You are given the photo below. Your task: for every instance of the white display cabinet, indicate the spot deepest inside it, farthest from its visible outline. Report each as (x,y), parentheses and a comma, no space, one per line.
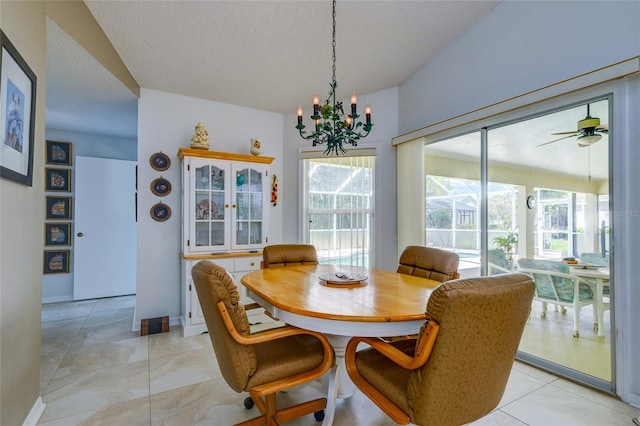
(225,216)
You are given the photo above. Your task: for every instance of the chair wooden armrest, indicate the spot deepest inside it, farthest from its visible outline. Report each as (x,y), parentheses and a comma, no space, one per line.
(387,349)
(274,334)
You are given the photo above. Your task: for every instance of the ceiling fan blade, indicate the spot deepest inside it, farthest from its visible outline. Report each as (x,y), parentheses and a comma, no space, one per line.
(572,132)
(556,140)
(603,128)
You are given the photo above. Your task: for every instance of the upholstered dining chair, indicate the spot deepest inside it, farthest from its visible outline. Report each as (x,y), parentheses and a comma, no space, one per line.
(263,363)
(457,369)
(429,262)
(288,254)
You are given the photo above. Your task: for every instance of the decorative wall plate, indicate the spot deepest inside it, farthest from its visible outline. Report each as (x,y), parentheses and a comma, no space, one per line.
(160,212)
(160,161)
(160,187)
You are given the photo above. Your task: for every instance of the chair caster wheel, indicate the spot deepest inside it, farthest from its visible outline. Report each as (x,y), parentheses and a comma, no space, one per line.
(576,334)
(248,403)
(319,415)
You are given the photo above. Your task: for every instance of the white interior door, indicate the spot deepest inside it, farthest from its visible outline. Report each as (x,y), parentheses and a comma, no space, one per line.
(105,228)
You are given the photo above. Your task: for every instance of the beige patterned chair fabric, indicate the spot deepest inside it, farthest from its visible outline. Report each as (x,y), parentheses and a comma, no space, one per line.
(480,321)
(428,262)
(289,254)
(272,360)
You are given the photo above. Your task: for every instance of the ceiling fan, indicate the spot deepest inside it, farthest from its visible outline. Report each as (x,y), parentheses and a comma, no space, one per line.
(589,131)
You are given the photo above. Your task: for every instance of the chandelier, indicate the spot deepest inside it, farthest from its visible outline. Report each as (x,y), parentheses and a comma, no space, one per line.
(332,125)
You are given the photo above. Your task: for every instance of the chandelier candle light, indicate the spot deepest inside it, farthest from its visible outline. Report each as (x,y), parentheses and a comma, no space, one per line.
(332,125)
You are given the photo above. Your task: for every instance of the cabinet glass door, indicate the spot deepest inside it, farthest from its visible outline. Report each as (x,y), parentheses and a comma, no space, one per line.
(209,207)
(249,204)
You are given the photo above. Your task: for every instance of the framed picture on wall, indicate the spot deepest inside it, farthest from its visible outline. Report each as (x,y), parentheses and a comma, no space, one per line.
(17,121)
(57,179)
(57,234)
(56,262)
(58,207)
(58,153)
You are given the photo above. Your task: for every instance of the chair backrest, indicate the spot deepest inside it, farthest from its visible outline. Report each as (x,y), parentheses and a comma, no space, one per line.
(558,277)
(481,322)
(595,259)
(289,254)
(498,259)
(213,284)
(428,262)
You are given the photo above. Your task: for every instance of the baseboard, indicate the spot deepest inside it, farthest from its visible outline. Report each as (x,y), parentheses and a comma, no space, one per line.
(57,299)
(35,413)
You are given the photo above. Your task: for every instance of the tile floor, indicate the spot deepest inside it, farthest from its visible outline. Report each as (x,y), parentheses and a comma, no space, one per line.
(96,371)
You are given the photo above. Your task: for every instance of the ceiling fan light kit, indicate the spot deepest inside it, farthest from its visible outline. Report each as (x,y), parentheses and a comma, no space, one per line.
(589,131)
(587,140)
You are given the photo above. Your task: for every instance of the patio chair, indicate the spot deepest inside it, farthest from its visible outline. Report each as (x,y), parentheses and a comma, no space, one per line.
(457,369)
(555,284)
(428,262)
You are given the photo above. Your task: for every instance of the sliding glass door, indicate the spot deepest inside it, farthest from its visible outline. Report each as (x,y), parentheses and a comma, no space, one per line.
(532,195)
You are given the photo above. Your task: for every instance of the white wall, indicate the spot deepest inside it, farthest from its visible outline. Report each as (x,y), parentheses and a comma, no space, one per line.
(384,106)
(166,123)
(524,46)
(518,47)
(59,287)
(21,215)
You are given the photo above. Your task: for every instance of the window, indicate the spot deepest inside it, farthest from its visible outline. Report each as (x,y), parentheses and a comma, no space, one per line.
(339,208)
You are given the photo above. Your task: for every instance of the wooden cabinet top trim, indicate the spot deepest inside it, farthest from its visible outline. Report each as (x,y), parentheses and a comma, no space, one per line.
(203,153)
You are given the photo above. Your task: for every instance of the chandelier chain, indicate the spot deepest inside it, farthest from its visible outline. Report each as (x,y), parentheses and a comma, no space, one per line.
(334,44)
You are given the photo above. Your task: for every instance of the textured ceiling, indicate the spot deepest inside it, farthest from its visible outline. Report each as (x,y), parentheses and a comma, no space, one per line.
(273,55)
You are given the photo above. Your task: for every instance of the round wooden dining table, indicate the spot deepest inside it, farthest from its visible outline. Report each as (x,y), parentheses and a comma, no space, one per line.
(342,302)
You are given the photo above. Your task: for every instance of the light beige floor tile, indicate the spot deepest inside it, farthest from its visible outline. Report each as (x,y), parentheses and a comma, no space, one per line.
(49,363)
(129,413)
(597,397)
(534,372)
(497,418)
(172,343)
(211,403)
(58,341)
(187,368)
(67,310)
(49,328)
(90,391)
(104,355)
(109,318)
(551,405)
(117,330)
(519,385)
(114,303)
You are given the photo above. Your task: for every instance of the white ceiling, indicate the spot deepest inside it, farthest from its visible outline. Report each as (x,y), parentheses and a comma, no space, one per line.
(273,56)
(269,55)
